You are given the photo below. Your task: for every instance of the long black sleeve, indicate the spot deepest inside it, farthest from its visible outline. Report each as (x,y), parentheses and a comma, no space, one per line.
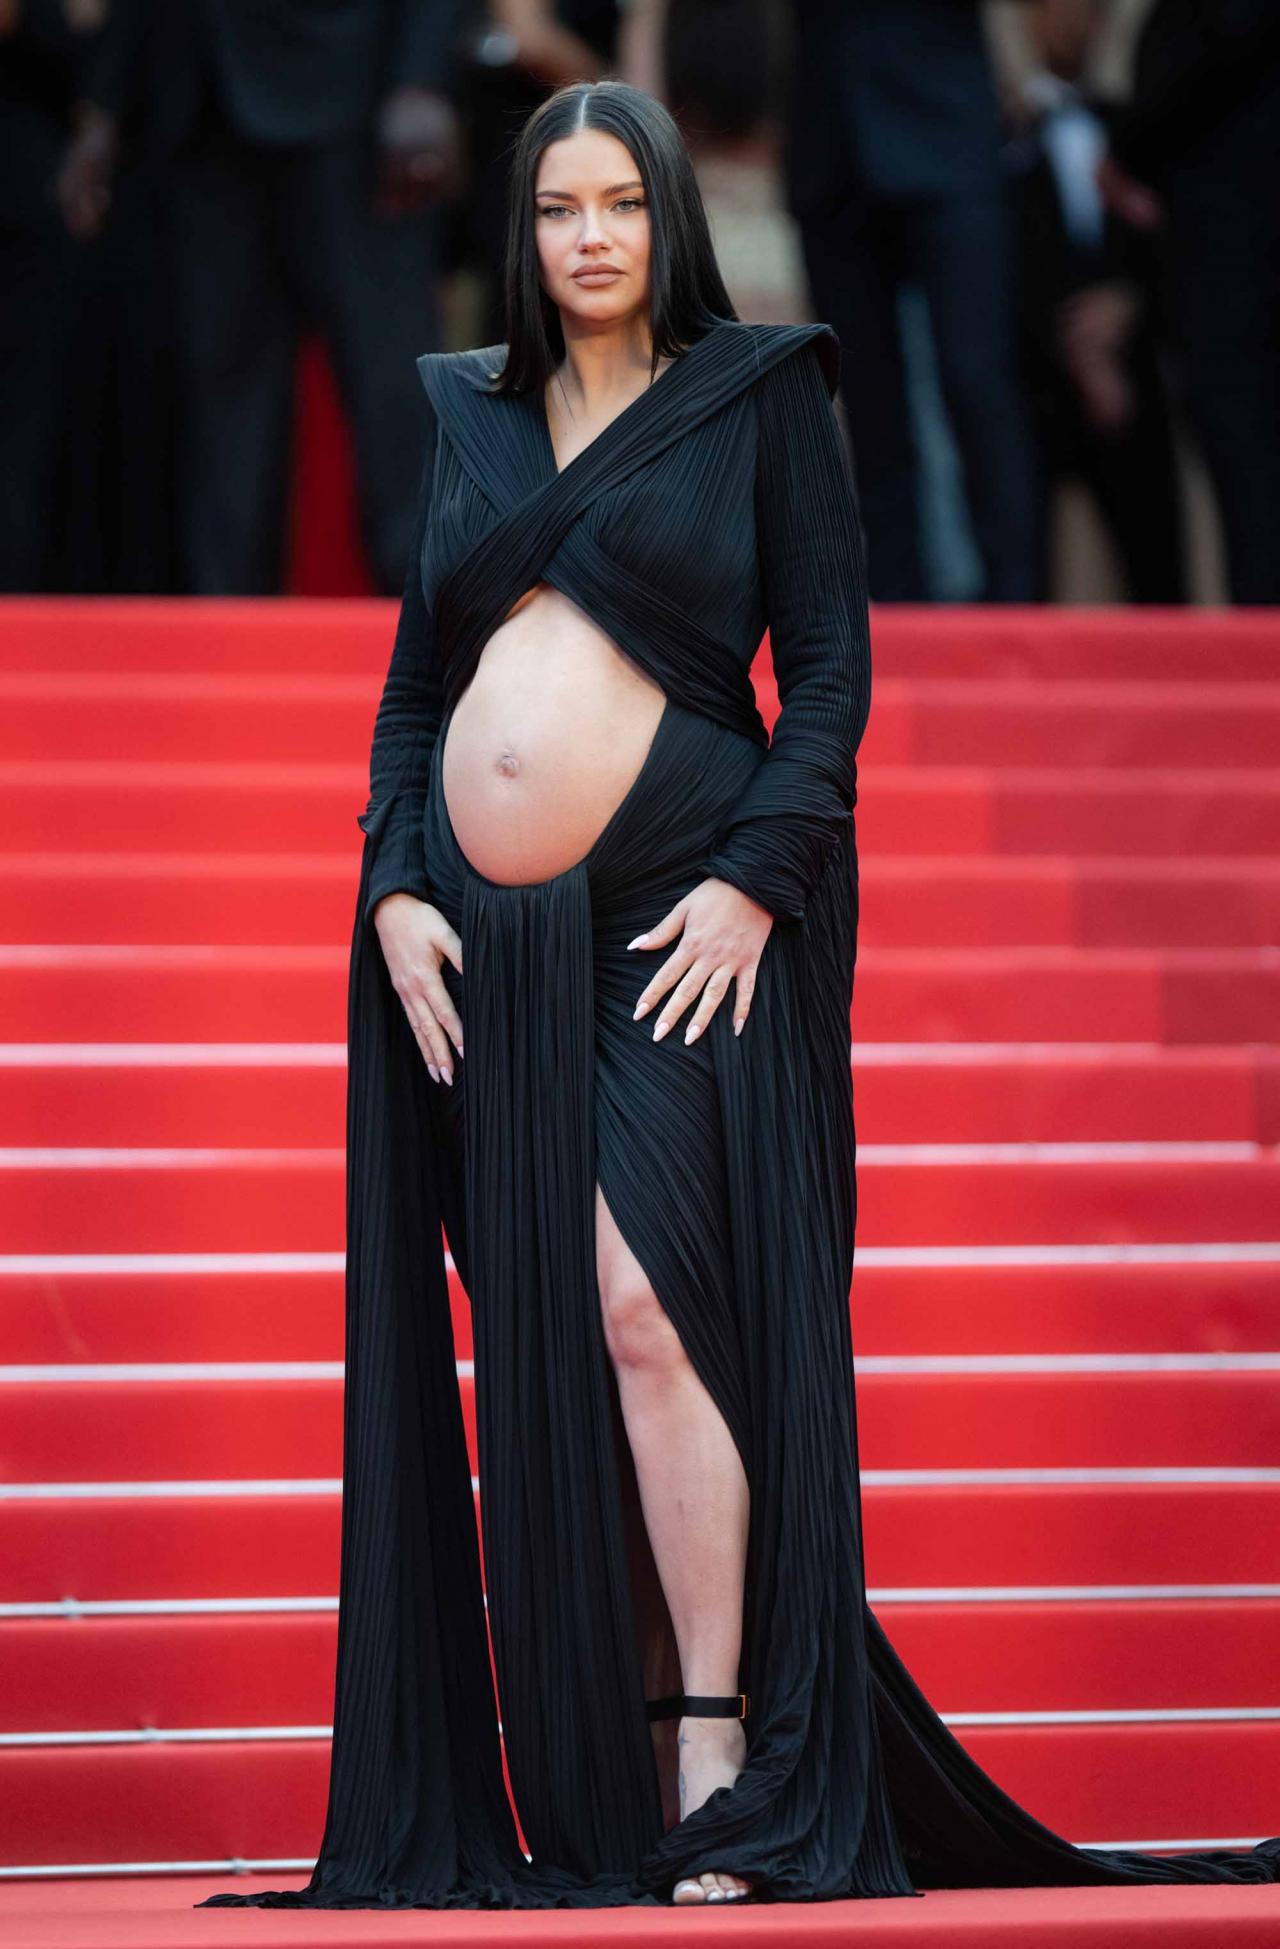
(780,833)
(405,730)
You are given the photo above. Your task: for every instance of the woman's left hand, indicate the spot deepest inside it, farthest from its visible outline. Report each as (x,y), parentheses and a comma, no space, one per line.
(722,936)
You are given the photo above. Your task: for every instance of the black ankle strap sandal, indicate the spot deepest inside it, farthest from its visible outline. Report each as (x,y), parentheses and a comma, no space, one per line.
(700,1705)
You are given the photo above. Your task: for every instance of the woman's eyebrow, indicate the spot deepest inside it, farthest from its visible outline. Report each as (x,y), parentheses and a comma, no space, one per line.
(611,191)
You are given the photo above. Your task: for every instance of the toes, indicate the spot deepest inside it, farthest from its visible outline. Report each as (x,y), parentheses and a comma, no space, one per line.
(710,1887)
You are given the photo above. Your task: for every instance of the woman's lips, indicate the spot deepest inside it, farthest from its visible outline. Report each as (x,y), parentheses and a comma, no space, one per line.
(595,277)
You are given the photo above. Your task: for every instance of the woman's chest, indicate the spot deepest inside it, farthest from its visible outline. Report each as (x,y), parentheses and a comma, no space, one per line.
(680,522)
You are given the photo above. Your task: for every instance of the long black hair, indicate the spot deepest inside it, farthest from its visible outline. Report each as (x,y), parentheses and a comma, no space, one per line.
(687,292)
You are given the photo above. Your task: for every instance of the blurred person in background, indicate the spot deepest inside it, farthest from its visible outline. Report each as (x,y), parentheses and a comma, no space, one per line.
(309,151)
(515,53)
(1092,329)
(894,173)
(1195,157)
(41,55)
(84,434)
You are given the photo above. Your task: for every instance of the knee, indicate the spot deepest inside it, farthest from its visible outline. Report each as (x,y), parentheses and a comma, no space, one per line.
(638,1333)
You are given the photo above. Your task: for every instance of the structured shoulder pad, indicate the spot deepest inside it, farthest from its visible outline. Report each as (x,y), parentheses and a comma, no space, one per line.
(777,342)
(444,372)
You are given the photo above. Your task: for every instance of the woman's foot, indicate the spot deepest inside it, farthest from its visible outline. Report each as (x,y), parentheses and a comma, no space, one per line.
(712,1753)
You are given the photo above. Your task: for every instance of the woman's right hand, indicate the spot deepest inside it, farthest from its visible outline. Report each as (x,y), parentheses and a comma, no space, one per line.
(416,939)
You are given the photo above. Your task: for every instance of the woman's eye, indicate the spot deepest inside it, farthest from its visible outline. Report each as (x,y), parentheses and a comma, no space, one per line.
(557,209)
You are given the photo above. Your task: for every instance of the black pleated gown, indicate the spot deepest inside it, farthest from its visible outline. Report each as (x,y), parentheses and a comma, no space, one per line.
(718,502)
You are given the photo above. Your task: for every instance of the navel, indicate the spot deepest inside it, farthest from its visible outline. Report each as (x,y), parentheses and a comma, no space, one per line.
(507,764)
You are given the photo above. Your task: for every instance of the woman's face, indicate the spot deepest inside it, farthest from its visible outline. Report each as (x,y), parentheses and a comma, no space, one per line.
(591,215)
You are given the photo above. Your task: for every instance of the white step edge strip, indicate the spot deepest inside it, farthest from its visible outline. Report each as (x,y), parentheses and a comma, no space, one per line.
(255,1486)
(963,1054)
(167,1055)
(168,1157)
(1181,1715)
(1118,1252)
(1018,1477)
(234,1055)
(228,1865)
(159,1372)
(26,1264)
(1098,1151)
(1141,1252)
(1065,1593)
(291,1864)
(78,1608)
(196,1157)
(873,1478)
(101,1373)
(259,1735)
(333,956)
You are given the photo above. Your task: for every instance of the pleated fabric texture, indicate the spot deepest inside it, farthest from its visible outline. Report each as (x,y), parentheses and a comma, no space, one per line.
(728,1165)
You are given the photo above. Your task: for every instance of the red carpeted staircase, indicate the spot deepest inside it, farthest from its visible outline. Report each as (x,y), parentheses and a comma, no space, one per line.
(1066,1307)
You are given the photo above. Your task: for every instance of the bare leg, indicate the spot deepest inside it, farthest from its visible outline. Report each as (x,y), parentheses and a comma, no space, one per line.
(696,1503)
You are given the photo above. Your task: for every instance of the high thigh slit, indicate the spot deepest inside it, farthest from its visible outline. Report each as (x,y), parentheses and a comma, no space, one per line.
(729,1167)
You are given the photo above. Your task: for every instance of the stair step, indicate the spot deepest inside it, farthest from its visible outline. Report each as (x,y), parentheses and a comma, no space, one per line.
(1092,812)
(107,636)
(1074,723)
(67,1431)
(144,1542)
(285,1095)
(195,1799)
(1037,994)
(69,805)
(1012,641)
(328,718)
(105,1674)
(1093,1300)
(308,898)
(172,1200)
(1104,646)
(298,994)
(100,805)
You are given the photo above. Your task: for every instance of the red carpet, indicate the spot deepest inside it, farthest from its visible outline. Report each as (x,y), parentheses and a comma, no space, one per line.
(1067,1081)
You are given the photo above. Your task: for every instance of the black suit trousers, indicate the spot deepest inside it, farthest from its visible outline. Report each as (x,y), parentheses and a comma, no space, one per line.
(959,249)
(269,242)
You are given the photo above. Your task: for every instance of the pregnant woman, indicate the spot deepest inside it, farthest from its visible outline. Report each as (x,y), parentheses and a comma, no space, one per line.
(599,1028)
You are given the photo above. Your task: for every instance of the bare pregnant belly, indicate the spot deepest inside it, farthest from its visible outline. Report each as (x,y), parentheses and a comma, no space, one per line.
(545,741)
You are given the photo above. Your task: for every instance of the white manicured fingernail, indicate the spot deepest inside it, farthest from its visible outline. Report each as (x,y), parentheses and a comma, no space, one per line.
(660,1031)
(739,1026)
(448,1076)
(434,1071)
(639,941)
(694,1029)
(642,1008)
